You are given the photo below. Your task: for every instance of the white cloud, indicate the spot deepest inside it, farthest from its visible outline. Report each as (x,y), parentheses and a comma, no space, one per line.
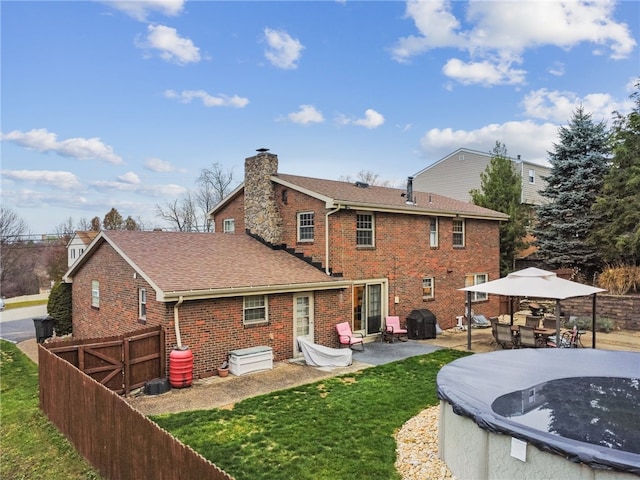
(306,115)
(122,185)
(172,47)
(80,148)
(559,106)
(57,179)
(372,119)
(186,96)
(485,73)
(157,165)
(141,9)
(284,51)
(525,138)
(557,69)
(129,177)
(501,31)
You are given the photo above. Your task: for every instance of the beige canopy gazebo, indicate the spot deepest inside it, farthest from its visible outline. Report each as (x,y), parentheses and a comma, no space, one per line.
(536,283)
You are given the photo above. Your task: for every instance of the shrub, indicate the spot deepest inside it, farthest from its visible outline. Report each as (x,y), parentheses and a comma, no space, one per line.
(602,324)
(59,307)
(620,280)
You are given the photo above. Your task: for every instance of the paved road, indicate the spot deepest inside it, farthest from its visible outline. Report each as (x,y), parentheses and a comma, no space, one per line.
(16,324)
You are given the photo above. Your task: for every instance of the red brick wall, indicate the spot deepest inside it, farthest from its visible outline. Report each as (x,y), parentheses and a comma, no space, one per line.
(235,210)
(401,253)
(118,312)
(210,328)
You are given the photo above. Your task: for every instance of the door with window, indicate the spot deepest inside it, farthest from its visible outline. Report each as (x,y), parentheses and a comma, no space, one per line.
(367,308)
(302,319)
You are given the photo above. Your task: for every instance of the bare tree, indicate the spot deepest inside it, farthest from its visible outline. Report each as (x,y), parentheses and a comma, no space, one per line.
(190,213)
(14,254)
(211,187)
(180,213)
(368,177)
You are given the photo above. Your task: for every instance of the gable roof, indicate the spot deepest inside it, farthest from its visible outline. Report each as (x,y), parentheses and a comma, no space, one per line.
(84,236)
(462,150)
(381,199)
(208,265)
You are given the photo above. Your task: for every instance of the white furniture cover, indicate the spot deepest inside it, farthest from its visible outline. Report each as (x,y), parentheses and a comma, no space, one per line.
(320,356)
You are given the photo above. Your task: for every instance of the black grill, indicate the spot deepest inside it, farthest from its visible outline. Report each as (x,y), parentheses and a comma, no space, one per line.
(421,324)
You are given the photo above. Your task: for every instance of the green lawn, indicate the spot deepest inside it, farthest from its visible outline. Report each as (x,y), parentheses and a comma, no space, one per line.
(31,446)
(26,303)
(339,428)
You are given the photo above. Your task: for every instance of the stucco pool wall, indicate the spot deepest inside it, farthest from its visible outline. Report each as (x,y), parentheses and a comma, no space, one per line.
(476,442)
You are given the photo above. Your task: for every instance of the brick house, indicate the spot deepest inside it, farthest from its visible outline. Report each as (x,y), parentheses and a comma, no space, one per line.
(223,291)
(401,249)
(293,257)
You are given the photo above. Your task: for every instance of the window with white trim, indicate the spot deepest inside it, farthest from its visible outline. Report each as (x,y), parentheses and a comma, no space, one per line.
(433,232)
(428,291)
(95,293)
(476,279)
(255,309)
(364,230)
(142,303)
(305,226)
(229,225)
(532,176)
(458,232)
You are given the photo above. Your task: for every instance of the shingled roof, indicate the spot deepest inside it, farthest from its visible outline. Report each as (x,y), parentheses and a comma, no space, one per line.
(207,265)
(383,199)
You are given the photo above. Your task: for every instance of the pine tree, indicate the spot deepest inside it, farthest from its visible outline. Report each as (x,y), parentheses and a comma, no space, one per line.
(617,210)
(579,163)
(501,190)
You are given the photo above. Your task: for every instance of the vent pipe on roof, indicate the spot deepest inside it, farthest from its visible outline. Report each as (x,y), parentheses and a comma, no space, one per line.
(410,200)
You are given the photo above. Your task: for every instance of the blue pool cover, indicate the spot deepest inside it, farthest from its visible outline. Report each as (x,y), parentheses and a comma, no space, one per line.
(582,404)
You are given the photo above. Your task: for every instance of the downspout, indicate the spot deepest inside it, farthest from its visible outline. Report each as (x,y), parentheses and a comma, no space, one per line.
(326,239)
(176,323)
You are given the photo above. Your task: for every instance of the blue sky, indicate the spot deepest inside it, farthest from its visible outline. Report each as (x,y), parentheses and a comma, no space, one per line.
(121,104)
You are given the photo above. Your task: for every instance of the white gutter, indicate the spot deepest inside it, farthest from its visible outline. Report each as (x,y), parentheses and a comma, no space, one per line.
(176,323)
(326,239)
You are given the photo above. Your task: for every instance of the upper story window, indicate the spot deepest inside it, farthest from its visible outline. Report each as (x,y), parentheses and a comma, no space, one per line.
(95,293)
(255,309)
(142,303)
(428,292)
(73,253)
(229,225)
(476,279)
(532,176)
(305,226)
(458,232)
(433,232)
(364,230)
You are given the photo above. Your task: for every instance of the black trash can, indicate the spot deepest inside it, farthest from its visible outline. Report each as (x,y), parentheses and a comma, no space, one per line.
(421,324)
(44,327)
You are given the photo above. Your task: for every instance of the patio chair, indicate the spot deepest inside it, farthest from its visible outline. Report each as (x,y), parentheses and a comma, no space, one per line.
(532,321)
(494,321)
(392,329)
(348,338)
(504,338)
(528,338)
(549,322)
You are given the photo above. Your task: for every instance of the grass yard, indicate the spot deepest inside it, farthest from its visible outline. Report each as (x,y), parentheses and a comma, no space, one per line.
(339,428)
(26,303)
(32,448)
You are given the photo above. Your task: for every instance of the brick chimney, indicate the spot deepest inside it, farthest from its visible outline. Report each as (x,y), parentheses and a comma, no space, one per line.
(261,215)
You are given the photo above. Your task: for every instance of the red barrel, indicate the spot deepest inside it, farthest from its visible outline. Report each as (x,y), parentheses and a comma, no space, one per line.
(180,367)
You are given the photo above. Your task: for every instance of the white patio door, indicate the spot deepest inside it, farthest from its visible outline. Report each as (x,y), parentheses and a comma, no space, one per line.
(302,319)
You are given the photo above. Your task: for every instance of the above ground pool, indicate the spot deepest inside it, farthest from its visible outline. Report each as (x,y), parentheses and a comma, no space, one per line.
(541,413)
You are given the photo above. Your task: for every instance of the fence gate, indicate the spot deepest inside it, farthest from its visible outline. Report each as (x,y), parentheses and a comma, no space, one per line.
(119,363)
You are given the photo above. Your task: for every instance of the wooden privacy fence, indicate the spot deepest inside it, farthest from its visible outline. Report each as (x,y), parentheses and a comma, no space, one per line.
(120,442)
(120,363)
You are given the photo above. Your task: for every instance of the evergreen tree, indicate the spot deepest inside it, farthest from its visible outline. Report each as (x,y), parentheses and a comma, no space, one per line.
(113,220)
(617,210)
(579,163)
(501,190)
